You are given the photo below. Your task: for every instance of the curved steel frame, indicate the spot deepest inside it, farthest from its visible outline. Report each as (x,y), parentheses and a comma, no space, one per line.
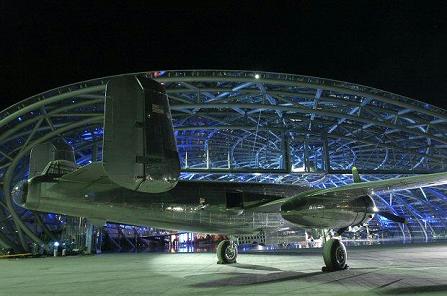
(252,126)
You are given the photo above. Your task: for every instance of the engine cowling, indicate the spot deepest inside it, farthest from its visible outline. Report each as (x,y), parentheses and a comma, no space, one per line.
(321,212)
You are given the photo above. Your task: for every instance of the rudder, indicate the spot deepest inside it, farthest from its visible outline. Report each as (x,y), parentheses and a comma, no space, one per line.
(139,149)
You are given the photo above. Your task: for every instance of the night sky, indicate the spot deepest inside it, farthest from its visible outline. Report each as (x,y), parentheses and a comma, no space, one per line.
(398,46)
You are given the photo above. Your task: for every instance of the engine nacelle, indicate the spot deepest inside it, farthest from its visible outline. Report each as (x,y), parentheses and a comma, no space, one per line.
(321,212)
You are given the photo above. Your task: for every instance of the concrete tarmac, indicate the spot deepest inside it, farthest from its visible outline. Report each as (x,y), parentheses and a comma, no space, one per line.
(390,270)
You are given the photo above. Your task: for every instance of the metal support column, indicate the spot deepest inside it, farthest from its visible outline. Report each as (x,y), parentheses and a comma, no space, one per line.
(286,163)
(306,155)
(95,152)
(89,241)
(327,164)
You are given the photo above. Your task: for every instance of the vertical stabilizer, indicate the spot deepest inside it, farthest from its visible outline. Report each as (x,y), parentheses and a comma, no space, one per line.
(139,149)
(44,153)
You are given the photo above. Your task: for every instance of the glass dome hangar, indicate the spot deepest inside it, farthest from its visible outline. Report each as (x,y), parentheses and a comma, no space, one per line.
(247,126)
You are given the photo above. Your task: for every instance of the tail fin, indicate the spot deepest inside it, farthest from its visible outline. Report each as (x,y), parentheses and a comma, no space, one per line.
(139,149)
(356,175)
(51,152)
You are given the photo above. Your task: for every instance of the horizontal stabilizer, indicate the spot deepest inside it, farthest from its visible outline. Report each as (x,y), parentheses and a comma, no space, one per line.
(91,177)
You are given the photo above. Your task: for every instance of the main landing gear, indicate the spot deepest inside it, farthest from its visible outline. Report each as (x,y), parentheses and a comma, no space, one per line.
(226,252)
(334,255)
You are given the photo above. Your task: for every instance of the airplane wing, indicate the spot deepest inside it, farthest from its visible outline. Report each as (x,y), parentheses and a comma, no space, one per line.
(383,186)
(355,190)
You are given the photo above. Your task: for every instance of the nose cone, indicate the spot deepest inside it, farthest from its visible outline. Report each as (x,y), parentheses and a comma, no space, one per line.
(19,193)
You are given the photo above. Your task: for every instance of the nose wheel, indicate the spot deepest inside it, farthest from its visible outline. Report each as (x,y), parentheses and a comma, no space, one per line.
(334,255)
(226,252)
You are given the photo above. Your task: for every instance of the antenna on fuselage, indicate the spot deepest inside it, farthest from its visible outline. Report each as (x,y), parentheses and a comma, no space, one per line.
(356,175)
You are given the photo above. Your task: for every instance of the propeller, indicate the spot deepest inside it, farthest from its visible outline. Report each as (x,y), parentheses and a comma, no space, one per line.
(392,217)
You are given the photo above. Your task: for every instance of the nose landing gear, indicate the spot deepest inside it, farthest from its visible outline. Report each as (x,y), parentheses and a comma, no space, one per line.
(226,252)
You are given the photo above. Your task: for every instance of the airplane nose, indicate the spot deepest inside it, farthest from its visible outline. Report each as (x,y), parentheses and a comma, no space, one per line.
(19,193)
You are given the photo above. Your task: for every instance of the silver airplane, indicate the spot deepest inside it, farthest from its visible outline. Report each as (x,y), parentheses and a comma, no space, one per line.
(138,183)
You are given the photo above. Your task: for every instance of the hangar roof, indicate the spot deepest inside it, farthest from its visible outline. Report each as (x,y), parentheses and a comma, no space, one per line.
(255,126)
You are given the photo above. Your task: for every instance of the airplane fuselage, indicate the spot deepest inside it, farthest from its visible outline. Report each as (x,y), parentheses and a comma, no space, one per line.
(215,207)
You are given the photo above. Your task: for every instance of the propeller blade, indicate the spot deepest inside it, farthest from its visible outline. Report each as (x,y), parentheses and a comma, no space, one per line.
(392,217)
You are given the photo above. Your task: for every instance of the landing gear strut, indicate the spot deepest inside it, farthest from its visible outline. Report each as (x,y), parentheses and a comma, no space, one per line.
(226,252)
(334,255)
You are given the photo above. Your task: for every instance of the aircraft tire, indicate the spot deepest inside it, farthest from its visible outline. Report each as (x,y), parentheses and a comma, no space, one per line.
(226,252)
(334,255)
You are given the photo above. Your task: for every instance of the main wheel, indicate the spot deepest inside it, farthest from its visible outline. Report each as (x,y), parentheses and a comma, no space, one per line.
(335,255)
(226,252)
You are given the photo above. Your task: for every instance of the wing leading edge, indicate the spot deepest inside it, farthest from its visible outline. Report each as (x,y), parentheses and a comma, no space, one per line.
(383,186)
(356,190)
